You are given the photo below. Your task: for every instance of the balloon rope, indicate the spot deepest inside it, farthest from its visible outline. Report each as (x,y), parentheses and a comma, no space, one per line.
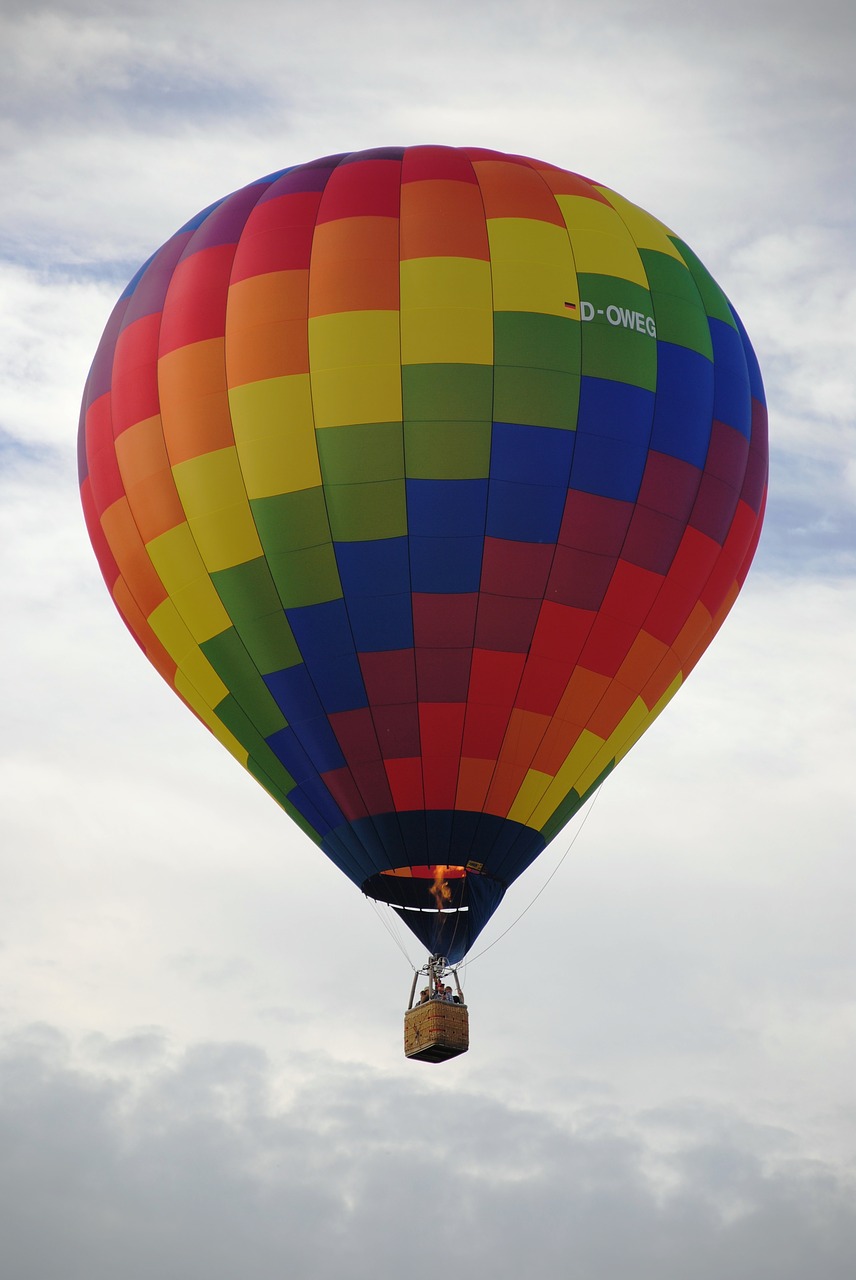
(385,921)
(571,844)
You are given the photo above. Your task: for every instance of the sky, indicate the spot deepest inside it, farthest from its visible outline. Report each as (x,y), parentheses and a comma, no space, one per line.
(201,1068)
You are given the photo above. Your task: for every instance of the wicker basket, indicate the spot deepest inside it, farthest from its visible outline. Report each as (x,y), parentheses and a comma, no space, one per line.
(436,1030)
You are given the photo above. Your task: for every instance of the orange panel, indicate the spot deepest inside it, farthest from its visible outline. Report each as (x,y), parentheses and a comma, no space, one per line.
(556,746)
(142,632)
(507,781)
(646,654)
(515,191)
(132,557)
(354,266)
(691,632)
(665,674)
(442,218)
(155,505)
(473,781)
(611,710)
(266,333)
(194,403)
(585,690)
(523,736)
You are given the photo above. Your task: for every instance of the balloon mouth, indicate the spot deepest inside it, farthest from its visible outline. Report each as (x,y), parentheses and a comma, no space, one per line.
(426,888)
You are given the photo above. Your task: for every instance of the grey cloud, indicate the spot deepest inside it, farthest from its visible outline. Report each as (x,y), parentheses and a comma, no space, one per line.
(196,1169)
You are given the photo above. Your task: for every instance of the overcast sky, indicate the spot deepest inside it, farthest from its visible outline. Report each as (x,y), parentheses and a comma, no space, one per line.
(201,1072)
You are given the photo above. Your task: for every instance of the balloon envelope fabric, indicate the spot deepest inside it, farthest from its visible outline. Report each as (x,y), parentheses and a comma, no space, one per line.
(424,476)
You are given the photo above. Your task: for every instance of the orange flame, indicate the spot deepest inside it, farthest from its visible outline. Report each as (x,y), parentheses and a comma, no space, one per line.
(440,890)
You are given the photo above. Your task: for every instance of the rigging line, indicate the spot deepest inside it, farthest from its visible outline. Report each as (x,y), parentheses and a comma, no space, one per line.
(392,933)
(571,844)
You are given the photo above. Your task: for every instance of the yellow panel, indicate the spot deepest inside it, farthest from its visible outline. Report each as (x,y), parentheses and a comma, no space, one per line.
(167,625)
(443,282)
(646,231)
(353,338)
(447,336)
(634,722)
(650,718)
(532,267)
(179,566)
(587,746)
(370,393)
(209,482)
(275,435)
(226,537)
(582,214)
(598,253)
(193,698)
(532,789)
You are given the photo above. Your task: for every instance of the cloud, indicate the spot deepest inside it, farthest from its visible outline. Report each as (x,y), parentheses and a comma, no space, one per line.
(202,1164)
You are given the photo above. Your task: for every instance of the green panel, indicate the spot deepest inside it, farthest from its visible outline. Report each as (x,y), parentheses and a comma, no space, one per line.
(359,512)
(308,576)
(678,308)
(270,642)
(447,450)
(536,397)
(617,350)
(280,795)
(291,521)
(239,674)
(715,301)
(447,392)
(571,803)
(247,590)
(536,341)
(238,723)
(349,455)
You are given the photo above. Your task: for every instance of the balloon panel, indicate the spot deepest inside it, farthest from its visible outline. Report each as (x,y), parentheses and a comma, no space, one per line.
(424,476)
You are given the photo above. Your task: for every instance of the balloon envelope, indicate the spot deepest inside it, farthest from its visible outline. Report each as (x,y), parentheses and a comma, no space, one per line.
(424,476)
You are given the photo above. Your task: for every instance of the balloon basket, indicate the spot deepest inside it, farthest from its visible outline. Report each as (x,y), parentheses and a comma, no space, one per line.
(436,1030)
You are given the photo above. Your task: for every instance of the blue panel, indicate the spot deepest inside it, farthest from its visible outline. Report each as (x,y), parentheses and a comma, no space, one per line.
(374,568)
(525,512)
(531,455)
(609,468)
(683,408)
(446,508)
(321,630)
(315,751)
(616,409)
(731,392)
(323,822)
(339,681)
(381,622)
(445,565)
(756,385)
(294,693)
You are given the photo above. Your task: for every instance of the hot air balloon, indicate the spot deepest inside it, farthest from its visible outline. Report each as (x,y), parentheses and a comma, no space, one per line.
(424,476)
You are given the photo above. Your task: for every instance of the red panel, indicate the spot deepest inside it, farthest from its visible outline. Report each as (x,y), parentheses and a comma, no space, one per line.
(100,545)
(516,568)
(355,732)
(561,631)
(543,683)
(104,476)
(631,593)
(506,623)
(397,728)
(484,731)
(420,163)
(608,645)
(444,621)
(365,187)
(373,784)
(670,610)
(277,235)
(195,305)
(694,560)
(389,676)
(441,727)
(494,677)
(733,553)
(135,374)
(579,578)
(342,787)
(405,783)
(443,675)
